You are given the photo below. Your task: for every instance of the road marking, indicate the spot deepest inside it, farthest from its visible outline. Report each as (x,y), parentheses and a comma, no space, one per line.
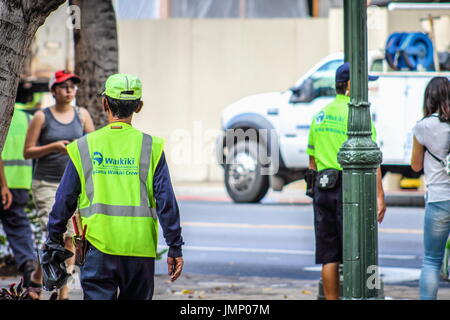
(244,225)
(290,200)
(281,226)
(247,250)
(277,251)
(398,256)
(397,230)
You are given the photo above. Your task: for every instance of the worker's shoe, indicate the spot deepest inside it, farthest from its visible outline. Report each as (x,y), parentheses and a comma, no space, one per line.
(27,269)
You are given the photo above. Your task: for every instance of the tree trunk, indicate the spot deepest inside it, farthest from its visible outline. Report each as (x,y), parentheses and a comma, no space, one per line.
(96,53)
(19,21)
(27,63)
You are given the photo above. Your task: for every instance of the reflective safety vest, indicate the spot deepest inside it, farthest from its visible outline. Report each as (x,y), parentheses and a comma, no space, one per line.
(18,171)
(116,165)
(37,99)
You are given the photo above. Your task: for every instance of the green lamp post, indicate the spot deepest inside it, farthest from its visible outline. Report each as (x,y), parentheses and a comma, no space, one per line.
(359,158)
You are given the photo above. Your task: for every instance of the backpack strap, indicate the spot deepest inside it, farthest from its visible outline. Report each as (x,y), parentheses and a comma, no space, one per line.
(438,159)
(78,111)
(426,149)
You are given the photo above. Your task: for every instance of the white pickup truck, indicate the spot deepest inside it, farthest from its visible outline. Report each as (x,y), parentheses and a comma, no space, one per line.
(396,104)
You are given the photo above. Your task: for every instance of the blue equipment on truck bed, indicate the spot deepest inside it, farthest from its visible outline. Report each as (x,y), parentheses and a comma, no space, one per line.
(410,51)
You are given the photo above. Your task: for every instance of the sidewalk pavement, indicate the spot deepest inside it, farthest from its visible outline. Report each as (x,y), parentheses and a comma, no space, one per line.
(217,287)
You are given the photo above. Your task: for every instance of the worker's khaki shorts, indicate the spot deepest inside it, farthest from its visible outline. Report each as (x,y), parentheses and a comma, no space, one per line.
(44,197)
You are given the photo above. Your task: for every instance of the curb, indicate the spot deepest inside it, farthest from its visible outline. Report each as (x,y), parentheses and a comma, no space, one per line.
(405,200)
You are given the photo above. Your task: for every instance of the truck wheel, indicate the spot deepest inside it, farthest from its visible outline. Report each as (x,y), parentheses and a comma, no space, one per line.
(243,178)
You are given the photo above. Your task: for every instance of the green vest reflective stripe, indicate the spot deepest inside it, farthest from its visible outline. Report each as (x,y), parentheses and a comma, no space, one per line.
(18,171)
(119,211)
(27,163)
(116,169)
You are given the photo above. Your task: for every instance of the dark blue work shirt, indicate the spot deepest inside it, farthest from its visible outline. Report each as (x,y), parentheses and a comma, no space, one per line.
(69,189)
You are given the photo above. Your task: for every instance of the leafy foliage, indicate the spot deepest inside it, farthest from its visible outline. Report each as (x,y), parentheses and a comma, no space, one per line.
(13,293)
(2,239)
(20,293)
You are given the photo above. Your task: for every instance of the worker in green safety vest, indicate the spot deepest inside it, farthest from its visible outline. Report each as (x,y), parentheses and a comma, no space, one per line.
(118,177)
(32,106)
(327,133)
(15,180)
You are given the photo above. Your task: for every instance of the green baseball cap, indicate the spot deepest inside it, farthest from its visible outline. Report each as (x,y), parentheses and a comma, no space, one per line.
(122,86)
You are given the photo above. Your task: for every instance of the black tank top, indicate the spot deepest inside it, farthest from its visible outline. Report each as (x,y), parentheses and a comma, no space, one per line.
(51,167)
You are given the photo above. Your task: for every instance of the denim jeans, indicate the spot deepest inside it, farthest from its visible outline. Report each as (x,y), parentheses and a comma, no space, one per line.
(111,277)
(436,232)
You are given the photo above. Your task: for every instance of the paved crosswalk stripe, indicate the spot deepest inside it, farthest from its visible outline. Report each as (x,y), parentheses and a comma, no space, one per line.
(278,251)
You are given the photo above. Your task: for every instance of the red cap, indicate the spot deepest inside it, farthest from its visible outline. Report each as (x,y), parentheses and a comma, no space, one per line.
(61,76)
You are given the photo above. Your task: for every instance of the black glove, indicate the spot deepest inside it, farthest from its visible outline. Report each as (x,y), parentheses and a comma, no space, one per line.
(56,238)
(52,259)
(54,250)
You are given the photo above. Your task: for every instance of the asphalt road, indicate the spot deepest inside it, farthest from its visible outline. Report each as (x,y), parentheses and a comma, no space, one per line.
(277,240)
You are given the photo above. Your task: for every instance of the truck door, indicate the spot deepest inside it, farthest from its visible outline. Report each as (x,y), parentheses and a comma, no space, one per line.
(388,97)
(414,105)
(307,99)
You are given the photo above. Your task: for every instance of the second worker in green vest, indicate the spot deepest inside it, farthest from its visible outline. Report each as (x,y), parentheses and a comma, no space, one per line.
(120,181)
(15,181)
(327,133)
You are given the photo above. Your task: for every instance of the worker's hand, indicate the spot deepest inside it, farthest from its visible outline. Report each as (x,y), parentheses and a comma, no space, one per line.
(6,197)
(175,266)
(60,146)
(381,206)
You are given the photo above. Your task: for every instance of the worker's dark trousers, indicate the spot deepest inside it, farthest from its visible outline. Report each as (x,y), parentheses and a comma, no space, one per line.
(110,277)
(17,227)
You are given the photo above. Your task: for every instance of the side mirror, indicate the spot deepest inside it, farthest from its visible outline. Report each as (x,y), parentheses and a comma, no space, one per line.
(295,90)
(295,97)
(303,93)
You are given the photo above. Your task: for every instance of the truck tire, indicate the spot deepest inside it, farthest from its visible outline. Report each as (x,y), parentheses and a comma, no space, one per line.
(243,179)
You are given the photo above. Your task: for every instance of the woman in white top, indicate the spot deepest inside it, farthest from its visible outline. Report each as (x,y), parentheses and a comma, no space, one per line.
(430,147)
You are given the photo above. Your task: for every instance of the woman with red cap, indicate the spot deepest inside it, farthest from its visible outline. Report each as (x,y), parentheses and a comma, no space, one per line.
(50,130)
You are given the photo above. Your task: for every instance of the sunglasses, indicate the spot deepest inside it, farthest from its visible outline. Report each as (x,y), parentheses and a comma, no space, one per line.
(67,87)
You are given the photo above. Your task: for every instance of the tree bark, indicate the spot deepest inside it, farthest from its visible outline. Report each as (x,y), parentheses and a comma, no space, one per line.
(27,63)
(96,54)
(19,21)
